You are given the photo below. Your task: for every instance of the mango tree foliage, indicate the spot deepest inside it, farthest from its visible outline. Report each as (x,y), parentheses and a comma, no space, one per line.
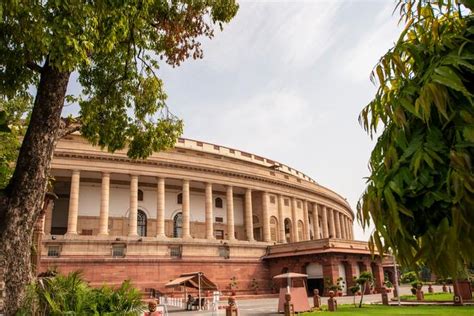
(115,48)
(420,192)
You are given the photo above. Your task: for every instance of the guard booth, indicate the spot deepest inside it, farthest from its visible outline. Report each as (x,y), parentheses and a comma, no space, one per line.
(294,284)
(193,280)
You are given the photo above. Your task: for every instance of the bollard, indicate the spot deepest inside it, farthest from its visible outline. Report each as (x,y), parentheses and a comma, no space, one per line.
(231,309)
(384,295)
(332,302)
(316,299)
(419,293)
(289,307)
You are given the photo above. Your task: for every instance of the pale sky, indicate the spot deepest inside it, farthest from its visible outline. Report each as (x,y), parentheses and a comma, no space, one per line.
(286,80)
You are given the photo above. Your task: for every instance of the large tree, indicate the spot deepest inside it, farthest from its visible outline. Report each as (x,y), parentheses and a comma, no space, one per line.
(420,192)
(115,48)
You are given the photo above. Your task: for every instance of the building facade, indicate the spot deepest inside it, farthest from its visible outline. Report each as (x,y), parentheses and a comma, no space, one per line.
(237,217)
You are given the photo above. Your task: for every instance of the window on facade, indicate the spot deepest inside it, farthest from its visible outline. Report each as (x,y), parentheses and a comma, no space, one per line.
(179,198)
(53,251)
(287,229)
(273,229)
(175,251)
(141,223)
(118,250)
(257,234)
(272,199)
(219,234)
(218,202)
(178,225)
(86,232)
(300,230)
(298,204)
(140,195)
(287,202)
(219,219)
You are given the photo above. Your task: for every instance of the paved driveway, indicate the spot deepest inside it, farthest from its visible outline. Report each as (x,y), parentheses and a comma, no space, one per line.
(268,306)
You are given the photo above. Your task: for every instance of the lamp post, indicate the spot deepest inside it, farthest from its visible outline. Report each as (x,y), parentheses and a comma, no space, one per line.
(395,273)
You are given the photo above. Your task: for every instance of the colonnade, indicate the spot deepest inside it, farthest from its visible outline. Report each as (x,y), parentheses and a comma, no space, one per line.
(326,221)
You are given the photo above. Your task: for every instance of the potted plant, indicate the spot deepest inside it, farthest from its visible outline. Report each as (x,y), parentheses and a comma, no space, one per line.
(388,285)
(414,286)
(233,285)
(329,286)
(339,285)
(254,286)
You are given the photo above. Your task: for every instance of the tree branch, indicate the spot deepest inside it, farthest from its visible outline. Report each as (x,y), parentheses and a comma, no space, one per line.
(34,66)
(69,126)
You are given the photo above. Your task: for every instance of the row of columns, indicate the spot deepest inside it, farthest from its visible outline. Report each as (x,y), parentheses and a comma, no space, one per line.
(334,224)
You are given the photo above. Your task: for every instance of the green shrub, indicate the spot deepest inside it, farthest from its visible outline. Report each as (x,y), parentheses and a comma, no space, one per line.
(71,295)
(408,277)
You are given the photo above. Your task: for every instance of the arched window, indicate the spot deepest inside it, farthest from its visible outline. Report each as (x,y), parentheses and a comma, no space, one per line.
(178,225)
(300,230)
(141,223)
(218,202)
(287,229)
(140,195)
(179,198)
(273,228)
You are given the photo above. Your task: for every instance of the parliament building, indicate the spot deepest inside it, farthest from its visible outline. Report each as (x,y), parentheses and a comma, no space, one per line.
(237,217)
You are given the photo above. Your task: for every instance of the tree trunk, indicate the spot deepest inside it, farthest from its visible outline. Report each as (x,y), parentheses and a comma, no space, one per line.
(362,295)
(23,197)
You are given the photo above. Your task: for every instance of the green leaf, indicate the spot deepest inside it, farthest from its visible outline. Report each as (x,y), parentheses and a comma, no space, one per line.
(448,77)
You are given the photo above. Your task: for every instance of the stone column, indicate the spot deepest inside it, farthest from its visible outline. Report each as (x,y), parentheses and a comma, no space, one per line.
(343,226)
(346,225)
(104,205)
(266,218)
(248,215)
(132,214)
(230,213)
(73,203)
(185,210)
(337,223)
(48,218)
(160,208)
(294,219)
(351,229)
(316,221)
(305,221)
(351,272)
(324,217)
(332,226)
(209,215)
(281,219)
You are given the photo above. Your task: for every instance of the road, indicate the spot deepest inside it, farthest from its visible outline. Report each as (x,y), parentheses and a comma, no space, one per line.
(268,306)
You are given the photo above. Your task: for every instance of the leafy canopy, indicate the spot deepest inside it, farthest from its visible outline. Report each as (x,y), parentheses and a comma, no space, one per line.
(114,46)
(14,114)
(420,192)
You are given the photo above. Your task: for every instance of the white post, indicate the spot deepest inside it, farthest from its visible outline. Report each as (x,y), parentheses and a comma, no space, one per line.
(395,274)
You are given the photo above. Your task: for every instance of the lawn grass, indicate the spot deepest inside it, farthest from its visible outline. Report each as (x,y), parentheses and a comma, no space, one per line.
(430,297)
(397,310)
